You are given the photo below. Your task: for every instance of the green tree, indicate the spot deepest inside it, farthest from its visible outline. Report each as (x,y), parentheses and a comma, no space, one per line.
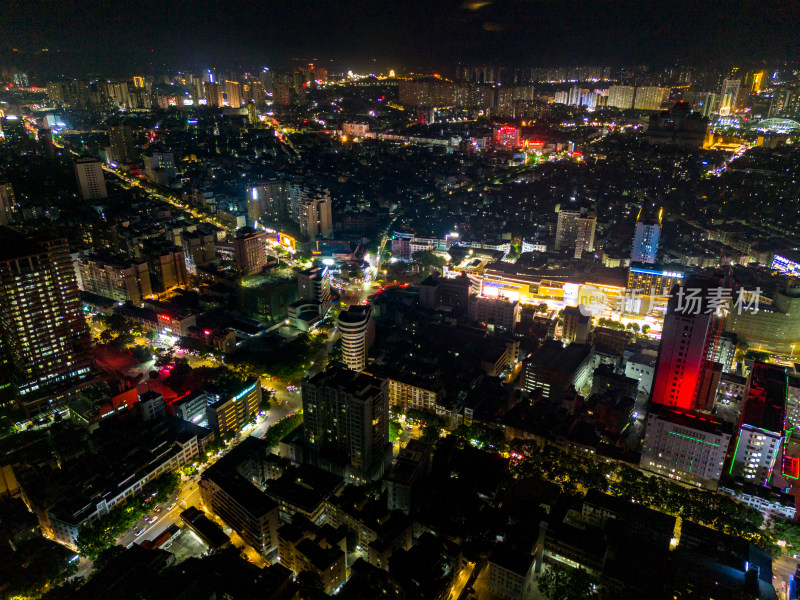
(276,433)
(427,259)
(561,583)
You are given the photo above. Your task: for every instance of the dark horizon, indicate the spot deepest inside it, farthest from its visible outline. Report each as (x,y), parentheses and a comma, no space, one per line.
(370,36)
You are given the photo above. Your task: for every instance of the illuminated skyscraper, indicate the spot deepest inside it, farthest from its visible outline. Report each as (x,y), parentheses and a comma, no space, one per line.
(684,372)
(43,334)
(621,96)
(757,82)
(123,150)
(730,91)
(650,98)
(213,93)
(645,240)
(234,93)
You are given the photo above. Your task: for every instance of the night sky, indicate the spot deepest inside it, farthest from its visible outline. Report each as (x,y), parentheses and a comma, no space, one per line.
(115,38)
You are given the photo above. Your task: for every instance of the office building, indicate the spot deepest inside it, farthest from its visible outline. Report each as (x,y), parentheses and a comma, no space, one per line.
(762,424)
(621,96)
(198,248)
(507,136)
(554,369)
(122,144)
(43,334)
(683,363)
(228,412)
(686,446)
(8,204)
(649,286)
(89,172)
(118,280)
(645,240)
(495,312)
(192,407)
(358,333)
(575,231)
(650,98)
(346,424)
(250,250)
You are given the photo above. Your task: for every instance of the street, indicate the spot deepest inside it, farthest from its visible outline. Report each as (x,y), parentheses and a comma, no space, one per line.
(782,570)
(188,495)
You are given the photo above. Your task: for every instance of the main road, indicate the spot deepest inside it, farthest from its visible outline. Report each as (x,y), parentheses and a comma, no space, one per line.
(188,495)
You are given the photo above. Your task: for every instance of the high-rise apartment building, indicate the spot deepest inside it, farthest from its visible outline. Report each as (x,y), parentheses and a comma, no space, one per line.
(236,500)
(118,280)
(650,98)
(358,333)
(8,204)
(234,93)
(686,337)
(89,172)
(198,248)
(346,424)
(266,199)
(167,264)
(575,230)
(121,140)
(762,425)
(621,96)
(316,220)
(159,167)
(315,284)
(250,250)
(645,240)
(213,94)
(43,335)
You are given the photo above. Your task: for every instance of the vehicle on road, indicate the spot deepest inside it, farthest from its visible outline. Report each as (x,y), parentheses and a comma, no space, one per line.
(141,531)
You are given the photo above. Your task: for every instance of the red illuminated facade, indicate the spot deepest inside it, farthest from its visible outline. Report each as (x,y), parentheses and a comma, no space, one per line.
(507,136)
(684,375)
